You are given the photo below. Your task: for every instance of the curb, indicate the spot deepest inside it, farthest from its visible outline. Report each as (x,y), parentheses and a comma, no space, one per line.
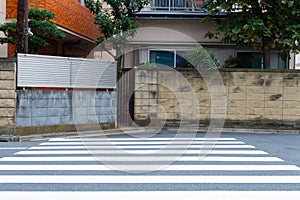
(13,138)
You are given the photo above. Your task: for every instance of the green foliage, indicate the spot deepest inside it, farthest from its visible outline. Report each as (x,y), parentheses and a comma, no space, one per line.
(41,27)
(115,23)
(273,24)
(231,62)
(201,59)
(147,64)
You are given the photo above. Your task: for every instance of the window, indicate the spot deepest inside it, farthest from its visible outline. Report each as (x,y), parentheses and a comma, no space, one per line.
(169,58)
(254,60)
(249,60)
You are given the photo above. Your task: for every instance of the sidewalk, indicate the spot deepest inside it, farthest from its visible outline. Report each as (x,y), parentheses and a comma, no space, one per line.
(11,138)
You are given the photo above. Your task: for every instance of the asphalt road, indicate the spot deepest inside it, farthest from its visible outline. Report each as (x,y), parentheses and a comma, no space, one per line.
(167,166)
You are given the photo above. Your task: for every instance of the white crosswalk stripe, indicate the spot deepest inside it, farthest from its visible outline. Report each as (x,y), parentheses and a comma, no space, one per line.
(209,168)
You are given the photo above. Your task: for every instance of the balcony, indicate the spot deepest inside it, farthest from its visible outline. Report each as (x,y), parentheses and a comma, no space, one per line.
(176,5)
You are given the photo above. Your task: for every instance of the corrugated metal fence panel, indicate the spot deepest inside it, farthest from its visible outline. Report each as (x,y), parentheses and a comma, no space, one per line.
(43,71)
(89,73)
(54,71)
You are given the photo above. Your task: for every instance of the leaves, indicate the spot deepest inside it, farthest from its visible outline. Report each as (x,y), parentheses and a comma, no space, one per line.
(115,23)
(40,26)
(272,24)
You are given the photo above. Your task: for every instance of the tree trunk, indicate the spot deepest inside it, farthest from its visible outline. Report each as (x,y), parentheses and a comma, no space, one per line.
(20,31)
(266,58)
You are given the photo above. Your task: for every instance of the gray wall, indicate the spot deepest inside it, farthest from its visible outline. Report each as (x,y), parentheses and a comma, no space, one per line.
(42,108)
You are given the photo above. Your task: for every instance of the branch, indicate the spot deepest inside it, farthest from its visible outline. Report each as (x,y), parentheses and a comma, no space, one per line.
(111,54)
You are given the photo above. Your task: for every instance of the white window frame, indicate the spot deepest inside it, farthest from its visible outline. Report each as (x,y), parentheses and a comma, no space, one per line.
(174,50)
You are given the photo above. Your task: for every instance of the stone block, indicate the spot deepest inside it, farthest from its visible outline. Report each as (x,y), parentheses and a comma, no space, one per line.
(239,75)
(23,112)
(236,111)
(7,103)
(255,111)
(294,112)
(291,105)
(142,87)
(4,121)
(218,110)
(273,111)
(7,94)
(7,75)
(274,82)
(23,103)
(237,103)
(204,110)
(204,116)
(103,103)
(66,120)
(142,116)
(7,84)
(274,75)
(141,95)
(273,117)
(237,96)
(23,121)
(237,89)
(141,109)
(80,111)
(52,112)
(54,120)
(7,112)
(203,95)
(290,118)
(237,82)
(39,112)
(292,90)
(254,76)
(255,97)
(204,103)
(290,97)
(274,104)
(103,111)
(218,103)
(236,117)
(290,83)
(273,97)
(254,117)
(41,104)
(255,89)
(273,90)
(255,104)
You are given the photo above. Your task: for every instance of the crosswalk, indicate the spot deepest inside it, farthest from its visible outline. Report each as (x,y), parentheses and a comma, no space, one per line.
(122,167)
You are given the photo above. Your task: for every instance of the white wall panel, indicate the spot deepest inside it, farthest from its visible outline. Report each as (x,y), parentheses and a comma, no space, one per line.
(63,72)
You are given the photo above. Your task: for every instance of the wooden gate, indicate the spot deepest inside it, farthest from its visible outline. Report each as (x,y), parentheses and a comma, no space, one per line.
(126,98)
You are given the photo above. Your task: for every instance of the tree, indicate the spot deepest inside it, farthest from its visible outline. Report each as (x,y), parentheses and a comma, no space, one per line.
(40,25)
(115,23)
(19,29)
(260,24)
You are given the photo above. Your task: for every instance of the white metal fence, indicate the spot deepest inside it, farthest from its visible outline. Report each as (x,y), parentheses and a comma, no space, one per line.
(65,72)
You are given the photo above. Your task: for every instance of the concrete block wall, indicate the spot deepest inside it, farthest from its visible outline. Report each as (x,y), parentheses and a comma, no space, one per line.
(258,96)
(7,92)
(44,108)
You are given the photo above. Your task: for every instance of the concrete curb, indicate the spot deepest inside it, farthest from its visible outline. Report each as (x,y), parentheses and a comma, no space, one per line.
(116,131)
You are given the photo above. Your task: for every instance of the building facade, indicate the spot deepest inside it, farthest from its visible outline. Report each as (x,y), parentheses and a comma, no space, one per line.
(72,17)
(169,28)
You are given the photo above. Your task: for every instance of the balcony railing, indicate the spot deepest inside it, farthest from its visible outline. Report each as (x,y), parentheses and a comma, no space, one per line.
(176,5)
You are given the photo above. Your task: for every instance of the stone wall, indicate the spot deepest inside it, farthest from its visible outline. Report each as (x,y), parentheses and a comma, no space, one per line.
(251,96)
(55,107)
(41,111)
(7,92)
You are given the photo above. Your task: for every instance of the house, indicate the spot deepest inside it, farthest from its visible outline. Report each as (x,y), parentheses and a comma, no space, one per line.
(72,17)
(169,28)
